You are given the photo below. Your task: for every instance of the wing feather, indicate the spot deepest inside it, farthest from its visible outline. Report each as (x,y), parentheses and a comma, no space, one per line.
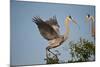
(45,29)
(53,22)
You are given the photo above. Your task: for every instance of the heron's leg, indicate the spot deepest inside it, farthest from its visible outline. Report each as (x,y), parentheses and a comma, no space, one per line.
(46,53)
(54,55)
(48,49)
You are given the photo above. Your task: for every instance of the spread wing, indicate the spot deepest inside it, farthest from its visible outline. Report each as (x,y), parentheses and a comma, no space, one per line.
(45,29)
(53,22)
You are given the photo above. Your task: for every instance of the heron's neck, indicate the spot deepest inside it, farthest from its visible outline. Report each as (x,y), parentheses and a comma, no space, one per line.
(67,29)
(92,26)
(92,18)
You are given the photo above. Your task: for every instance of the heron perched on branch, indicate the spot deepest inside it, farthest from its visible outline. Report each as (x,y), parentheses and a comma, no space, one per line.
(49,29)
(92,20)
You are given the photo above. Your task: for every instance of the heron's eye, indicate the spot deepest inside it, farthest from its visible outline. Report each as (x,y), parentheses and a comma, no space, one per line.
(70,17)
(88,15)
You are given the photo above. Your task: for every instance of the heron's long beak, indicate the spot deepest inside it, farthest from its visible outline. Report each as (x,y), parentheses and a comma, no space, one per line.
(74,21)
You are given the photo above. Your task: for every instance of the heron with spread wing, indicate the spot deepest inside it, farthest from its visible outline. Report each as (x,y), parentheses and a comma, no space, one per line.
(49,29)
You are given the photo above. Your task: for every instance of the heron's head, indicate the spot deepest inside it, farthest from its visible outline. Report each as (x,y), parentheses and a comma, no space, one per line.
(69,18)
(88,17)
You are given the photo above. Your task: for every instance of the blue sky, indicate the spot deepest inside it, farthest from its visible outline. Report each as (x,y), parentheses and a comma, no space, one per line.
(27,45)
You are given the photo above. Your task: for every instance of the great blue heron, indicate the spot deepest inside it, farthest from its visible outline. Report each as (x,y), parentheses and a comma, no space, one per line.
(92,20)
(49,29)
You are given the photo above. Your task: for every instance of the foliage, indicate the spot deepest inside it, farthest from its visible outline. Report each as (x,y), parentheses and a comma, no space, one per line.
(82,51)
(52,61)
